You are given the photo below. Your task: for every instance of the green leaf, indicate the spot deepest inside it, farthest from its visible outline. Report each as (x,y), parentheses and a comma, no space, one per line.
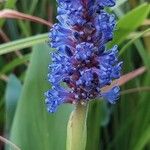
(23,43)
(33,6)
(104,113)
(143,140)
(98,116)
(93,125)
(14,63)
(130,22)
(2,112)
(9,4)
(13,90)
(33,127)
(139,46)
(136,37)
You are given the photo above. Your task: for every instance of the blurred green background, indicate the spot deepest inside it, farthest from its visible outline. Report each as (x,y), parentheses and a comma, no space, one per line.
(24,58)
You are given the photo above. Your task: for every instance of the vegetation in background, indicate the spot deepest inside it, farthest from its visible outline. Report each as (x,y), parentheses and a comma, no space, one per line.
(24,57)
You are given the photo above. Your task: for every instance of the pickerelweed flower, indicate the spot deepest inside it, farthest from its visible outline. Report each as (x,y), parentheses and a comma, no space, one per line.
(81,65)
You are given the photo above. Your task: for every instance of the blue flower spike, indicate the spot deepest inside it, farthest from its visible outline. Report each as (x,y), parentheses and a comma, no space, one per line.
(82,65)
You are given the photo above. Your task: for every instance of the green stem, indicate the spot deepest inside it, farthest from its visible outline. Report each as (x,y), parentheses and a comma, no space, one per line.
(77,129)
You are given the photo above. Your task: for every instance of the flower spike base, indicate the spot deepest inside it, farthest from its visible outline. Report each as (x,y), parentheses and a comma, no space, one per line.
(77,129)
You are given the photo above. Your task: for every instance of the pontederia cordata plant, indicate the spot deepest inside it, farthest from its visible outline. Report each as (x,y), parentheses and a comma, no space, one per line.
(81,65)
(82,72)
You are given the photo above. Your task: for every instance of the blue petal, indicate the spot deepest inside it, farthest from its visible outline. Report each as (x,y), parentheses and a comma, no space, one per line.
(112,96)
(104,3)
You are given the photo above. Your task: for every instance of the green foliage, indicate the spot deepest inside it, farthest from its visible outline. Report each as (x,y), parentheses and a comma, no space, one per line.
(125,125)
(9,4)
(13,90)
(33,127)
(13,64)
(130,22)
(24,43)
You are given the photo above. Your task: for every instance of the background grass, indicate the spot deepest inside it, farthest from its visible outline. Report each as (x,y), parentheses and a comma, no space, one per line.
(23,69)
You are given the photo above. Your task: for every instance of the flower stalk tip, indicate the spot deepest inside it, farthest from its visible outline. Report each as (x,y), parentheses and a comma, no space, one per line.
(77,129)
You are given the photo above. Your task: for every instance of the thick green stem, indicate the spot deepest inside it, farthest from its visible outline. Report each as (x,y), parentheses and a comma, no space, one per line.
(77,129)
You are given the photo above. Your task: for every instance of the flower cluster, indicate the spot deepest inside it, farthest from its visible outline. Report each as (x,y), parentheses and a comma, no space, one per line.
(81,65)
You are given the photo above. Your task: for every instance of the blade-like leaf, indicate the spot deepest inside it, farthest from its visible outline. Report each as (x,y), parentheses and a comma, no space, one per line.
(143,140)
(8,4)
(15,63)
(130,22)
(23,43)
(33,128)
(13,90)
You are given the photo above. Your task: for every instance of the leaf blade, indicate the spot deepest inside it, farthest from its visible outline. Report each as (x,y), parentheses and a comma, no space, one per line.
(43,130)
(130,22)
